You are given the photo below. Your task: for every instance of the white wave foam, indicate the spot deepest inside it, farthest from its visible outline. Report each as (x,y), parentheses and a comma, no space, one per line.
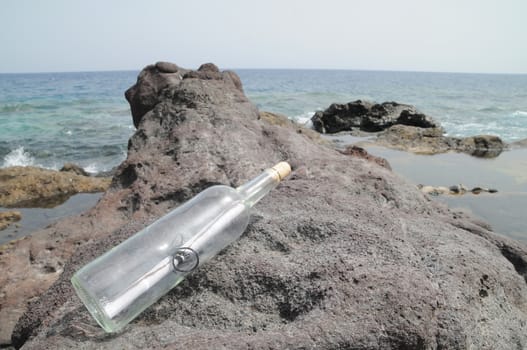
(304,119)
(92,168)
(520,114)
(18,157)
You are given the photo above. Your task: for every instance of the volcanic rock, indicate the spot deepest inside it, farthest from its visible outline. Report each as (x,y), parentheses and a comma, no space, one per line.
(432,141)
(343,255)
(369,117)
(33,187)
(360,152)
(9,217)
(485,146)
(454,190)
(74,168)
(151,82)
(401,127)
(167,67)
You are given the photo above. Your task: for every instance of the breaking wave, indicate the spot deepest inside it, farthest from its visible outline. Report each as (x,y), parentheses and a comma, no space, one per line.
(18,157)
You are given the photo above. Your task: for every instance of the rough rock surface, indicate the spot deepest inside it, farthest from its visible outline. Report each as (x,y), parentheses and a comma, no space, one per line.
(356,151)
(36,187)
(343,255)
(74,168)
(283,121)
(432,141)
(455,190)
(401,126)
(9,217)
(370,117)
(143,97)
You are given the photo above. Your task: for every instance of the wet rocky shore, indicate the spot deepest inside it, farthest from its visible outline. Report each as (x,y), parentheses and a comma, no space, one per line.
(343,254)
(403,127)
(33,187)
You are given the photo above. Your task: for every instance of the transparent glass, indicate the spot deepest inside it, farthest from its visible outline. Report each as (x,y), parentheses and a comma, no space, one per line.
(119,285)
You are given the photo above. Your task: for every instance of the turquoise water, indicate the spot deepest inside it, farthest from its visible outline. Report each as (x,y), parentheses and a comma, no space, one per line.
(52,118)
(465,104)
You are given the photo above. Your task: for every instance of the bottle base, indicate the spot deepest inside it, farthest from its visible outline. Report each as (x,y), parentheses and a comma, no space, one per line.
(92,305)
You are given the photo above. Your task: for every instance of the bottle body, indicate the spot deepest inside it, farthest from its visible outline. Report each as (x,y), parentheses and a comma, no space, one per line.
(119,285)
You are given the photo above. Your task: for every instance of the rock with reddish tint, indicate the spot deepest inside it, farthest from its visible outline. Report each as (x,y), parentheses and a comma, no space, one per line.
(356,151)
(344,254)
(151,82)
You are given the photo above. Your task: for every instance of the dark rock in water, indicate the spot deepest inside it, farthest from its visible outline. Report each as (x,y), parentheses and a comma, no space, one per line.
(342,255)
(414,139)
(369,117)
(453,190)
(484,146)
(9,217)
(402,127)
(74,168)
(432,141)
(412,118)
(458,189)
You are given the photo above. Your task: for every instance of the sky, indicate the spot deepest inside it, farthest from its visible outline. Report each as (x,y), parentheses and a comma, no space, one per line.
(484,36)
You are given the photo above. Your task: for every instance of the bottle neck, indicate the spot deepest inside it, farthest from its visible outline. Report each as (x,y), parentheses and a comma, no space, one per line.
(257,188)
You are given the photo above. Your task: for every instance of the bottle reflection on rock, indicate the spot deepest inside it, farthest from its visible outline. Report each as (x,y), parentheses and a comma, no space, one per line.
(123,282)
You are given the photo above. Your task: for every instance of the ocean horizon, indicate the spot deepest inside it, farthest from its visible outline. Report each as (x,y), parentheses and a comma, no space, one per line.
(273,68)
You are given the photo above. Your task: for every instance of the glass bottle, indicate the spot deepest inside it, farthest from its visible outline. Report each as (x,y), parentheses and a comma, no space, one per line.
(117,286)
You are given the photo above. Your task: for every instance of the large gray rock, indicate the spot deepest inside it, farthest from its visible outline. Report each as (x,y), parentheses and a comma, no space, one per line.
(343,255)
(151,82)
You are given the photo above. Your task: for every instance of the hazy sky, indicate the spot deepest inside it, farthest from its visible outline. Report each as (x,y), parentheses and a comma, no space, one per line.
(422,35)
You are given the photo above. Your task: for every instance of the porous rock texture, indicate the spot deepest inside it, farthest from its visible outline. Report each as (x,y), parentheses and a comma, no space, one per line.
(432,141)
(9,217)
(344,254)
(401,126)
(367,116)
(33,187)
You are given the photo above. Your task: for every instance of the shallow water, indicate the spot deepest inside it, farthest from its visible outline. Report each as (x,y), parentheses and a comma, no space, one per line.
(38,218)
(505,211)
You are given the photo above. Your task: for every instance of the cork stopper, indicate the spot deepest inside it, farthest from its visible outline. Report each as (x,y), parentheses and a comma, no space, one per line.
(281,170)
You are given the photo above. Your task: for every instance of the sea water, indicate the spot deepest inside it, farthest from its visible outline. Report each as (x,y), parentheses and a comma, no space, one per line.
(464,104)
(51,118)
